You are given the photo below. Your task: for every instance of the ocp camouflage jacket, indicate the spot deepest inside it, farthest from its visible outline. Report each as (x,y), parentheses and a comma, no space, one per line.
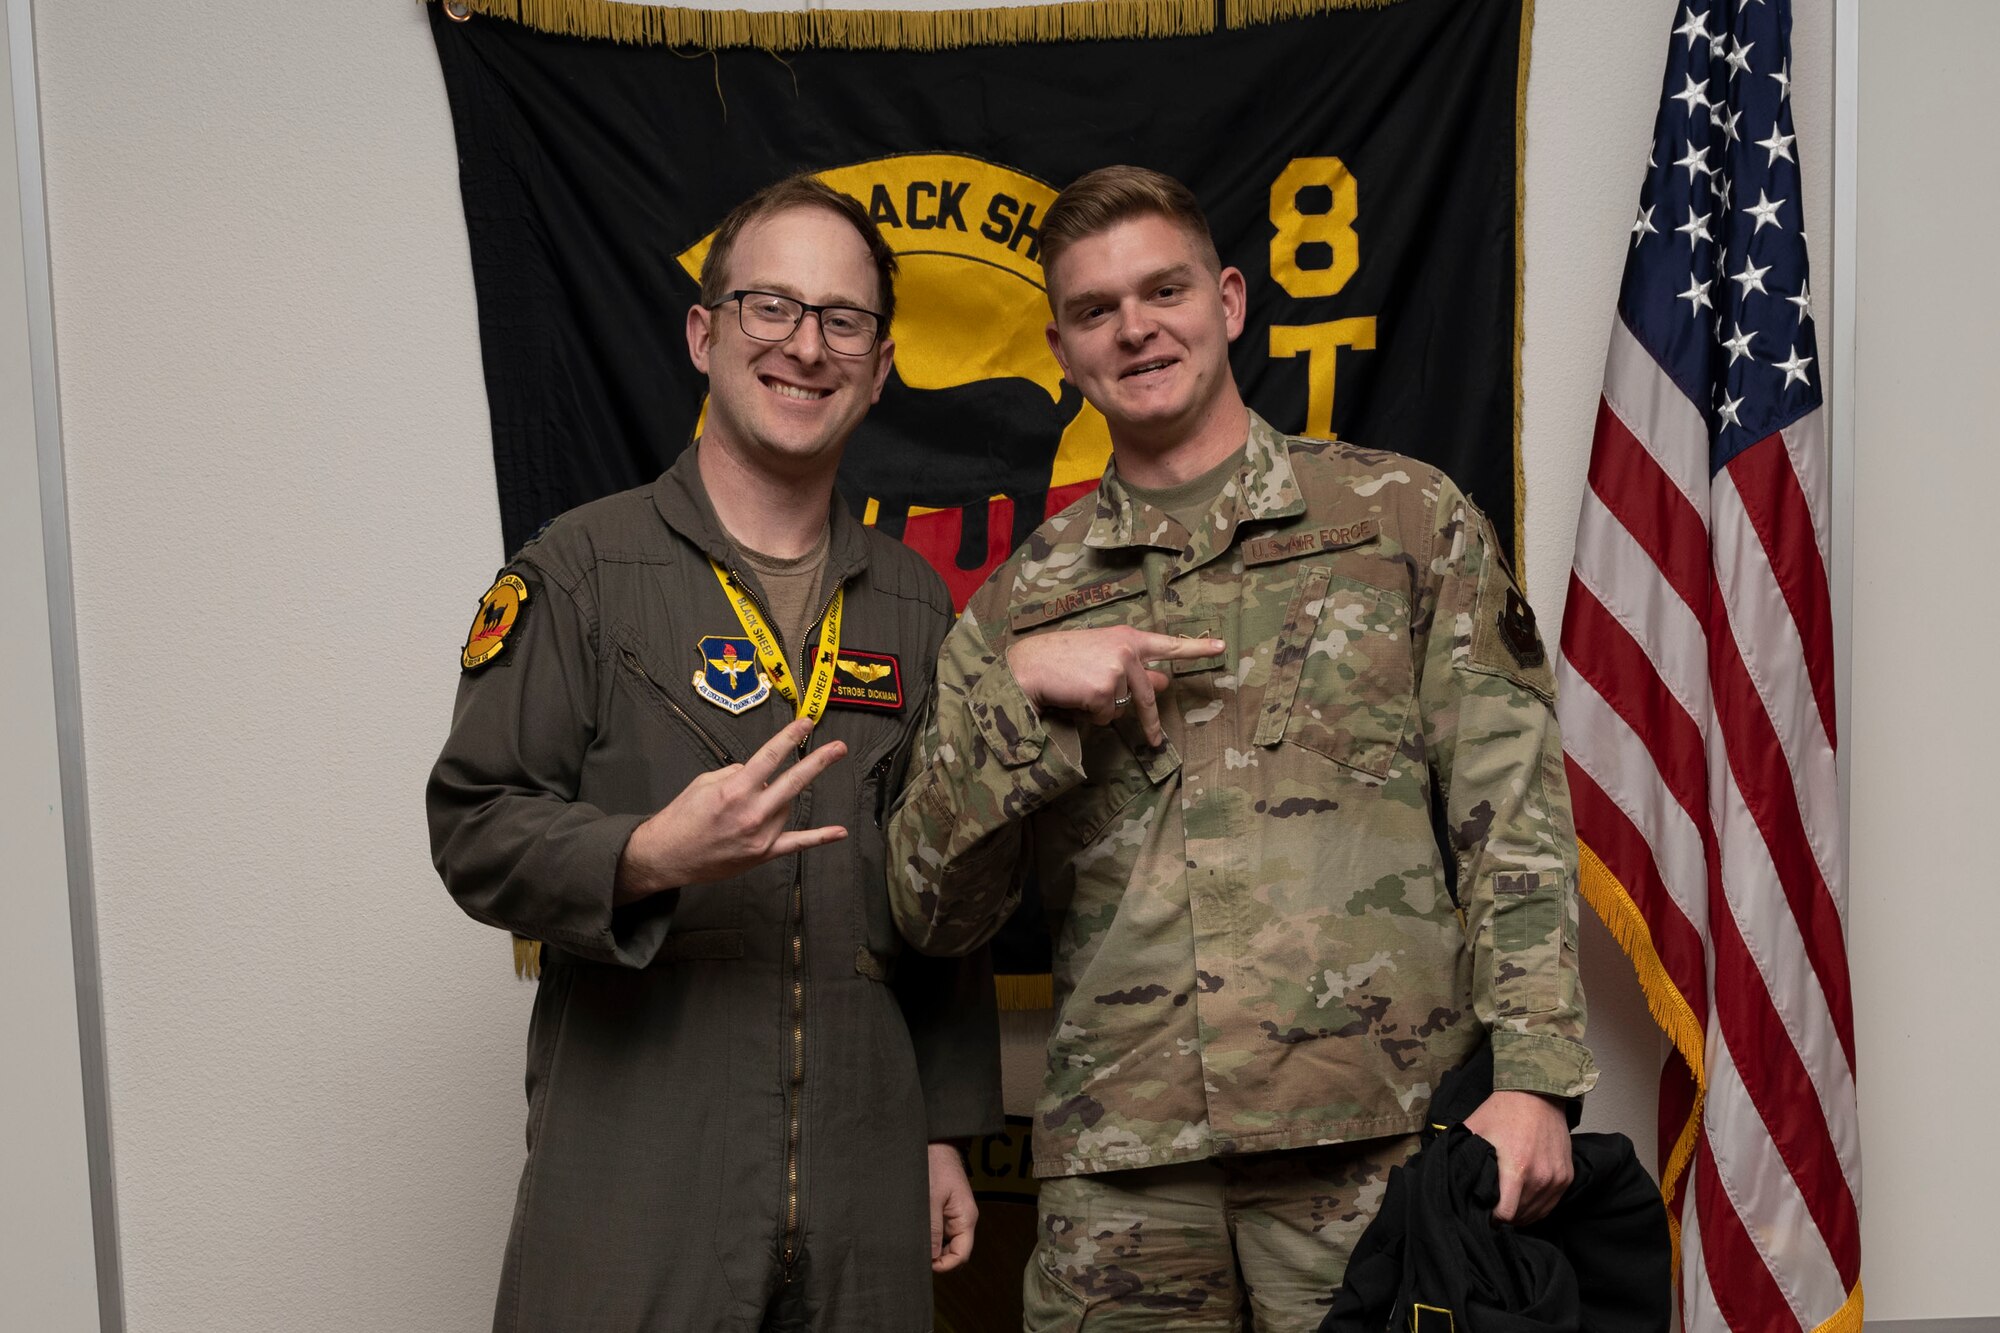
(1352,855)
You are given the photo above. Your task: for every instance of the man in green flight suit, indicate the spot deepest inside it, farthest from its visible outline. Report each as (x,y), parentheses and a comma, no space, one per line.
(1274,726)
(684,711)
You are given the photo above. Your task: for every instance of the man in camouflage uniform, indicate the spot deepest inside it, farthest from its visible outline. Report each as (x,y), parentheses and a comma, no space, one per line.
(1293,876)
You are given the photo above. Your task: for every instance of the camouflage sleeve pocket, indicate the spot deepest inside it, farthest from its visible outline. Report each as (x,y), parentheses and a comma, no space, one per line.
(1011,726)
(1120,765)
(1530,939)
(1341,674)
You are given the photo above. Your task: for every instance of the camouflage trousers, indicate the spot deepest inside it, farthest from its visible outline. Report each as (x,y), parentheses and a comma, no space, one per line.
(1258,1242)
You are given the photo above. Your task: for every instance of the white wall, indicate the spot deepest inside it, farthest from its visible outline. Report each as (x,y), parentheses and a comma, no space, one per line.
(47,1265)
(283,512)
(1924,914)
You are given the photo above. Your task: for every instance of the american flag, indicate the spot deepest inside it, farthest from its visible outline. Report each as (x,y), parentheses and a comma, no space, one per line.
(1697,692)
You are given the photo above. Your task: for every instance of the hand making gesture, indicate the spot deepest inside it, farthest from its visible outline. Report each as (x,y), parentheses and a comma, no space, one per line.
(728,820)
(1101,672)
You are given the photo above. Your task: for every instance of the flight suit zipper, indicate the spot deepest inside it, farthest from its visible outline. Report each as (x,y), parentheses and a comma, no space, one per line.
(796,1086)
(638,668)
(796,949)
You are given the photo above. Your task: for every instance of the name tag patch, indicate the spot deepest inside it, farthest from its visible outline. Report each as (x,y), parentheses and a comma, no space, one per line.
(1076,599)
(867,680)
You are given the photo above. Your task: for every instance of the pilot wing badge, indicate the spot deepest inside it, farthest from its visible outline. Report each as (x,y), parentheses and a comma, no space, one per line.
(729,676)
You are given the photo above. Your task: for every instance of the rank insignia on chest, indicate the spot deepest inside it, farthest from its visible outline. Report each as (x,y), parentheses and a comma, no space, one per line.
(729,676)
(499,611)
(867,680)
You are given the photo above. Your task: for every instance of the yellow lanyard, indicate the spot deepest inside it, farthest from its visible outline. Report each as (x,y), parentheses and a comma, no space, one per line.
(769,656)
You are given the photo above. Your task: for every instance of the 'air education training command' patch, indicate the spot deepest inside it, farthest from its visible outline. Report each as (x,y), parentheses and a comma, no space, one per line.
(499,611)
(729,676)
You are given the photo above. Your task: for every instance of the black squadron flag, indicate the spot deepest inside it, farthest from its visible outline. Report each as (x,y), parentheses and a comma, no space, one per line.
(1359,162)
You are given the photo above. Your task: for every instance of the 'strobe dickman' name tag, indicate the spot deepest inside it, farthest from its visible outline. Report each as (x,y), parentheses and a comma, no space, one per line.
(867,680)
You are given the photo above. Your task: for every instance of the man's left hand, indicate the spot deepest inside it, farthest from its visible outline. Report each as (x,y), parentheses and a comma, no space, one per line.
(1530,1136)
(953,1212)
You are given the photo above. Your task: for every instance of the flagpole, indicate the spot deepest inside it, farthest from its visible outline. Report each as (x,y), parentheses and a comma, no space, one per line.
(1840,384)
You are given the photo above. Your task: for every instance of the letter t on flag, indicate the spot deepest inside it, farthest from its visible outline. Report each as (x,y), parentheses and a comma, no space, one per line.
(1698,695)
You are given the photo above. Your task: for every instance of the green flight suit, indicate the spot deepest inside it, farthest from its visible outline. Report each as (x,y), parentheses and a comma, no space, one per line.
(727,1073)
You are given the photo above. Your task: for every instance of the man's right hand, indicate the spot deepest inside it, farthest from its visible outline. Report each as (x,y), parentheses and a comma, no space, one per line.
(727,821)
(1101,672)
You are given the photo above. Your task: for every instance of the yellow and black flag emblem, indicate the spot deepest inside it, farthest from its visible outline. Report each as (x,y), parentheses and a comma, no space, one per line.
(1357,160)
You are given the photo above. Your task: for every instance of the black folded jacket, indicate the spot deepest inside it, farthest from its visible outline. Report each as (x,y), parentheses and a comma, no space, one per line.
(1435,1261)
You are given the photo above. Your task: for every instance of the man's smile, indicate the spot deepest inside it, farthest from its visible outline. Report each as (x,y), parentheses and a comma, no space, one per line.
(801,392)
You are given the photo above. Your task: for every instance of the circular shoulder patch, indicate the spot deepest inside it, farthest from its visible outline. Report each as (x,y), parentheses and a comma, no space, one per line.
(498,611)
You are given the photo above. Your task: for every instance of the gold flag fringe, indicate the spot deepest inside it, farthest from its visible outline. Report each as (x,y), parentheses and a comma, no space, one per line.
(527,959)
(1249,13)
(1521,287)
(1021,993)
(1847,1319)
(1670,1009)
(893,30)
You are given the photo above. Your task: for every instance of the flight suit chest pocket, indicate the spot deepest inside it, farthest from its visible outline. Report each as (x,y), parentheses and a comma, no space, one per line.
(1341,680)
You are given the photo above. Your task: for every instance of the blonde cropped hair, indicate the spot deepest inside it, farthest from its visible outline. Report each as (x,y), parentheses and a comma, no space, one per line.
(1100,200)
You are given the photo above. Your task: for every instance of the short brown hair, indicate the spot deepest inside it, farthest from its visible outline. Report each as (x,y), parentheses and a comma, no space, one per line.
(801,191)
(1102,199)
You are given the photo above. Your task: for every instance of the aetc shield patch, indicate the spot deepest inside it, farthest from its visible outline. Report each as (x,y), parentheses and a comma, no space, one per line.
(729,676)
(499,611)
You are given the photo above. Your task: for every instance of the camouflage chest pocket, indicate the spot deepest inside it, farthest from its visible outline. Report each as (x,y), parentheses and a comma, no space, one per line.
(1122,767)
(1120,763)
(1341,675)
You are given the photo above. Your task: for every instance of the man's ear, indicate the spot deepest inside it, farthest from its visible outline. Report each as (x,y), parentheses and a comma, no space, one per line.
(1056,348)
(1235,300)
(885,357)
(700,328)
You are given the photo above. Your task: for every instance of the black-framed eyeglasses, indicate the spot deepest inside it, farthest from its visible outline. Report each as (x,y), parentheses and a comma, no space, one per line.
(769,317)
